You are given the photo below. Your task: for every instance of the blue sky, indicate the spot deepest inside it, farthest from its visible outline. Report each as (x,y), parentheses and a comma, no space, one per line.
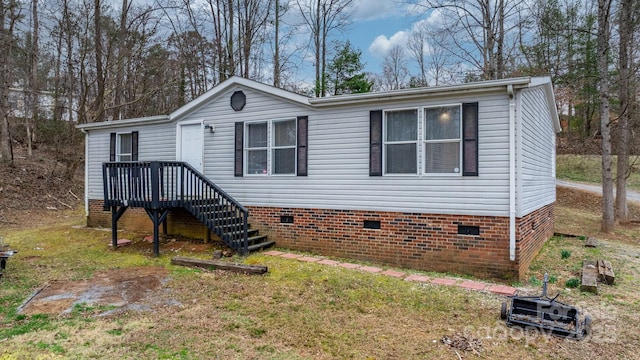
(376,26)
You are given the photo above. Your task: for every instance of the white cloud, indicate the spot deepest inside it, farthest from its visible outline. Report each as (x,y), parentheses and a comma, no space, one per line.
(363,10)
(381,45)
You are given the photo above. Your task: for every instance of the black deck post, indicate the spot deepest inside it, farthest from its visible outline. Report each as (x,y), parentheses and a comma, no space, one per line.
(156,235)
(115,216)
(114,227)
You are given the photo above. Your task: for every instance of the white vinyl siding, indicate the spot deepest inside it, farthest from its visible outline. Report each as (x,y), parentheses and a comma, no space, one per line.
(536,153)
(338,161)
(338,156)
(155,142)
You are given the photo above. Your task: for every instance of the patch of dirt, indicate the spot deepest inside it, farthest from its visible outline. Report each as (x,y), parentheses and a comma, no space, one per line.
(121,289)
(35,186)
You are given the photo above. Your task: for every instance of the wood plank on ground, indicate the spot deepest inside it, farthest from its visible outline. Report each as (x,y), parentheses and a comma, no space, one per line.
(589,276)
(220,265)
(605,272)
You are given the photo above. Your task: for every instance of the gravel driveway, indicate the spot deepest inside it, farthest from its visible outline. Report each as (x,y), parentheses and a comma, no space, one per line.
(633,196)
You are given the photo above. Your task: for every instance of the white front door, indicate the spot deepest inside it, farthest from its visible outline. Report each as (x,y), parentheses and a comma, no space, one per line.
(191,145)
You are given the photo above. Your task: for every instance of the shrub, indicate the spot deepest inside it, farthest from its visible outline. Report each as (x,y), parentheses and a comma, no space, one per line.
(565,254)
(572,283)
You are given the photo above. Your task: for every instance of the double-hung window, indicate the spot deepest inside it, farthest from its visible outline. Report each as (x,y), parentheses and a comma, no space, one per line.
(442,139)
(401,141)
(429,140)
(283,153)
(124,147)
(257,147)
(271,140)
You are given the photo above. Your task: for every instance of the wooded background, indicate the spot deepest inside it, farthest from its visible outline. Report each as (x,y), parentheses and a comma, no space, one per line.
(107,60)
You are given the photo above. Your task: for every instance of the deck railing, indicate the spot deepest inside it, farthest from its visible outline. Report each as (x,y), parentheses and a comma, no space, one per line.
(172,184)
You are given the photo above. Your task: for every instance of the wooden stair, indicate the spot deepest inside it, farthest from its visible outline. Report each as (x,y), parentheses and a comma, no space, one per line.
(158,186)
(229,227)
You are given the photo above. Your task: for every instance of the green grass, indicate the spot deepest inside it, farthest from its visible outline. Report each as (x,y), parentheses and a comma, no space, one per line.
(297,310)
(565,254)
(572,283)
(588,169)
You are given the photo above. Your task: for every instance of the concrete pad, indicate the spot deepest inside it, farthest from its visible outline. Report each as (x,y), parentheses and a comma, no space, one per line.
(370,269)
(273,253)
(121,242)
(328,262)
(419,278)
(349,265)
(502,290)
(472,285)
(395,274)
(441,281)
(308,259)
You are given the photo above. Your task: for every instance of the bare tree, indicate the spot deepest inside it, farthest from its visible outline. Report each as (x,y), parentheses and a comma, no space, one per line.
(276,45)
(394,68)
(418,47)
(604,16)
(625,52)
(100,76)
(475,32)
(323,17)
(9,16)
(252,18)
(34,88)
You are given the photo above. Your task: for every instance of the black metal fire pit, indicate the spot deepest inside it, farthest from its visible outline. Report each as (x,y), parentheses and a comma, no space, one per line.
(546,314)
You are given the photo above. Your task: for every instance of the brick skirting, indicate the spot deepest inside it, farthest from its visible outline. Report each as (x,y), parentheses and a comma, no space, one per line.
(411,240)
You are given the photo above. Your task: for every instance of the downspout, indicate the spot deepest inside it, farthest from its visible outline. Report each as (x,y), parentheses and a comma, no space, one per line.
(86,172)
(512,174)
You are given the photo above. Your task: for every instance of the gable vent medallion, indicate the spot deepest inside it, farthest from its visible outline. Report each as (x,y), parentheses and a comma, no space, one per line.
(238,100)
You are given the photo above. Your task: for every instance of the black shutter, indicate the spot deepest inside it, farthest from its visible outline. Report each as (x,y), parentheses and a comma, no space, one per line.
(375,143)
(134,146)
(239,149)
(470,139)
(303,122)
(112,147)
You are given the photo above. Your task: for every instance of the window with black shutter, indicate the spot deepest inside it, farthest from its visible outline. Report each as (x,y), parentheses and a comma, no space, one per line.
(282,142)
(123,146)
(375,143)
(470,139)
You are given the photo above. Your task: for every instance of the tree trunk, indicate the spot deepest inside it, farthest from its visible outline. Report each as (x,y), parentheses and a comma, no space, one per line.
(121,61)
(7,21)
(34,88)
(231,69)
(100,78)
(604,8)
(317,48)
(500,68)
(626,29)
(276,51)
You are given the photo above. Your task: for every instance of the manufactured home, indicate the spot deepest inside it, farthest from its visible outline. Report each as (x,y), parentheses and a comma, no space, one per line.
(457,178)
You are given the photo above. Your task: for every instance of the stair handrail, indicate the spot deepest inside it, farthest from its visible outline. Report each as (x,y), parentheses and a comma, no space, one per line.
(243,249)
(152,187)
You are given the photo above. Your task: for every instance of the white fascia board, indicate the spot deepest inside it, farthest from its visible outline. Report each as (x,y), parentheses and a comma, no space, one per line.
(123,123)
(408,94)
(545,82)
